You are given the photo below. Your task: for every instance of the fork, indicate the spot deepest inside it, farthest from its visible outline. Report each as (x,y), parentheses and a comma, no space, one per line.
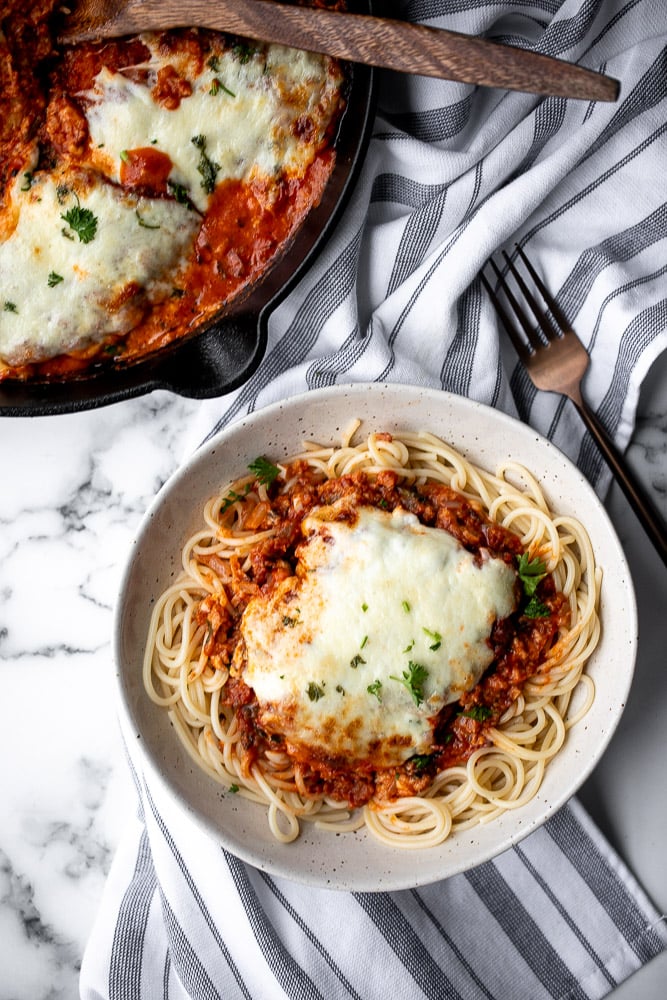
(556,361)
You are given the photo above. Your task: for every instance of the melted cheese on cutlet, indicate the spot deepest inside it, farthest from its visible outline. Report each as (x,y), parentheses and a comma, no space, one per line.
(248,111)
(58,293)
(330,654)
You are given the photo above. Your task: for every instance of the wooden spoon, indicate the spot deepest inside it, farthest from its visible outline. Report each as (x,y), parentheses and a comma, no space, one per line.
(376,41)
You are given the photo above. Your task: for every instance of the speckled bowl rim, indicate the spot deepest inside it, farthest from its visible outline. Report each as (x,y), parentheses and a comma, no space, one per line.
(355,861)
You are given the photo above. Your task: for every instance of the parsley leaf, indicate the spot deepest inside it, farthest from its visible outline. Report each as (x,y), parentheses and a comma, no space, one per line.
(82,221)
(218,86)
(179,192)
(142,222)
(531,571)
(315,691)
(420,761)
(206,166)
(536,609)
(54,279)
(413,680)
(376,689)
(264,471)
(231,498)
(10,307)
(243,52)
(437,638)
(477,712)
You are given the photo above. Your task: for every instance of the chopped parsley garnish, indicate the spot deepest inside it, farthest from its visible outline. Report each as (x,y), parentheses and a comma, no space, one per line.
(181,195)
(413,680)
(264,471)
(54,279)
(179,192)
(437,638)
(363,642)
(243,52)
(289,622)
(10,307)
(81,221)
(420,761)
(531,572)
(233,789)
(124,155)
(27,180)
(206,166)
(408,648)
(232,497)
(364,607)
(356,660)
(478,712)
(406,606)
(315,691)
(376,689)
(536,609)
(213,63)
(218,86)
(142,222)
(340,689)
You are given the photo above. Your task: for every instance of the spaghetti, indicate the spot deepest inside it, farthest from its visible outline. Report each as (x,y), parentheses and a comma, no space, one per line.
(489,747)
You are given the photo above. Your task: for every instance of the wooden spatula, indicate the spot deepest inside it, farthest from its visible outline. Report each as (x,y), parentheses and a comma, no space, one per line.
(375,41)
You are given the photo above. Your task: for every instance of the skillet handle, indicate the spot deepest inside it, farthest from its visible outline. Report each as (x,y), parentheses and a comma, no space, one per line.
(201,368)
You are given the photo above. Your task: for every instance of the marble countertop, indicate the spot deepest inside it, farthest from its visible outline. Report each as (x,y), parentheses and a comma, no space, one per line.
(72,493)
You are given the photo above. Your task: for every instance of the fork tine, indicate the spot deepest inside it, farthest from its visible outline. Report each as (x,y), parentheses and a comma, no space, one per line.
(534,342)
(519,346)
(548,331)
(550,301)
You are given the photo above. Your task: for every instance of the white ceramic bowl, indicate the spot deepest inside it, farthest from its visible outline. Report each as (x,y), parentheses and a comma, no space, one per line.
(355,861)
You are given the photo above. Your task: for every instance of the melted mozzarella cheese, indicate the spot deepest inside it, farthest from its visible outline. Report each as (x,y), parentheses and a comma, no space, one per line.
(259,117)
(58,293)
(247,111)
(331,654)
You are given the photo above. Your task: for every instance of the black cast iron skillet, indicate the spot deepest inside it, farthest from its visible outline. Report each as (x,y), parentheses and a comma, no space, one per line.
(224,352)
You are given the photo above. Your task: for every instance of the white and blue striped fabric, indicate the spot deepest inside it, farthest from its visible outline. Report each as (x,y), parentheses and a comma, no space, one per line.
(453,173)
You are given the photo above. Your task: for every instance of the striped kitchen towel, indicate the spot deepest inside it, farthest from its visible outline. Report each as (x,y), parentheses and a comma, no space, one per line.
(452,174)
(455,173)
(557,916)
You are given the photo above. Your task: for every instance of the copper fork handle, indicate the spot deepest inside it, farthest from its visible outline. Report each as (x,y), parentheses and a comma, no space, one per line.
(646,511)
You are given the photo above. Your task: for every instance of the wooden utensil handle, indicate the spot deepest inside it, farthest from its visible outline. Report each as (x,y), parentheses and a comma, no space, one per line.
(398,45)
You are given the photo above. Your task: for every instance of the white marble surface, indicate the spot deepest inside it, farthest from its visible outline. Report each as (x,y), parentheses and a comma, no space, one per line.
(72,491)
